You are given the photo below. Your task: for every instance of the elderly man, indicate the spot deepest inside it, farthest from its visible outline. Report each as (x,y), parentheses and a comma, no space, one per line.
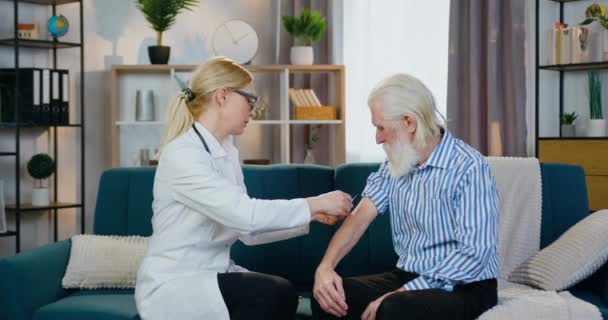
(443,206)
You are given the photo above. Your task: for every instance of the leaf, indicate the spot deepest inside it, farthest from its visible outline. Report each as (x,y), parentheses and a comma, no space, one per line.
(308,27)
(161,14)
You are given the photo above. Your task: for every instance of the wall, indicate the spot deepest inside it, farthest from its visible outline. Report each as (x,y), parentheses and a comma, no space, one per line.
(115,33)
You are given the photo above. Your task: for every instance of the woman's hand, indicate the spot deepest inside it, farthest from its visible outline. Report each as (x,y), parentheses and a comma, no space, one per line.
(326,219)
(335,203)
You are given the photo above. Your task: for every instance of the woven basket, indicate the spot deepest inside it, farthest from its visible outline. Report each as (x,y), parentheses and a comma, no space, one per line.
(315,113)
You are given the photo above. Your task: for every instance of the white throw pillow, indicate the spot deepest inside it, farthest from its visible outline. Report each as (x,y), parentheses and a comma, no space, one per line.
(574,256)
(104,262)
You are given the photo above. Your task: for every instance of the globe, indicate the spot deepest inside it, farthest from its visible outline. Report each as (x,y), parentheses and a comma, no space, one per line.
(58,26)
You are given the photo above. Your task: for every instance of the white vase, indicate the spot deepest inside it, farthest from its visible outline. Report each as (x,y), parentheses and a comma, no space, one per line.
(596,128)
(302,55)
(40,197)
(568,130)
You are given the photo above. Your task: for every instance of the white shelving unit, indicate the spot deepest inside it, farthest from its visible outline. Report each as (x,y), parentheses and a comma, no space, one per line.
(128,135)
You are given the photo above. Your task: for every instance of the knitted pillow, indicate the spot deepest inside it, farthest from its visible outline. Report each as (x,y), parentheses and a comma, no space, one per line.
(574,256)
(104,262)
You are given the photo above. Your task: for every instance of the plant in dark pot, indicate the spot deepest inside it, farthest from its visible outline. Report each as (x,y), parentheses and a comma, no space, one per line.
(567,122)
(161,15)
(40,167)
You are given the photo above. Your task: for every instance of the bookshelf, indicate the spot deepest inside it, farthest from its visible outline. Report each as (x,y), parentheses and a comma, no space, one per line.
(18,126)
(588,152)
(160,79)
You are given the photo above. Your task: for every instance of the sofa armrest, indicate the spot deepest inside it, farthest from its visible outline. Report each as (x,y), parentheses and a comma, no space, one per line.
(32,279)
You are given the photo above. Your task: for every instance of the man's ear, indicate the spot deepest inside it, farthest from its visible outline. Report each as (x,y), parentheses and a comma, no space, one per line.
(409,122)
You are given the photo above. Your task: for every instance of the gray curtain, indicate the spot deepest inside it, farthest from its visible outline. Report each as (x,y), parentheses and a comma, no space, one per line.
(486,102)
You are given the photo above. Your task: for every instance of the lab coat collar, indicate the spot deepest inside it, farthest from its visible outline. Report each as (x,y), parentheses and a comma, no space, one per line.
(217,150)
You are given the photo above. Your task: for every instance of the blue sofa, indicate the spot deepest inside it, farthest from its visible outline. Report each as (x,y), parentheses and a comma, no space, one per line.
(30,282)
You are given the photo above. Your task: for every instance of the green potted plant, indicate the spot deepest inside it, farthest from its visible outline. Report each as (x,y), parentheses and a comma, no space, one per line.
(40,167)
(161,14)
(597,124)
(567,124)
(306,28)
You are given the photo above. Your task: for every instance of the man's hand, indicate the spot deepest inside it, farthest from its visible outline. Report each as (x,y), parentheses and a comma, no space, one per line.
(372,307)
(326,219)
(328,291)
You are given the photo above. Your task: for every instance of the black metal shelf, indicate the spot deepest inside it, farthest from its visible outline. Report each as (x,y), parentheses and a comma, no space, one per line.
(51,45)
(9,233)
(573,138)
(598,65)
(5,154)
(30,125)
(45,2)
(41,44)
(53,205)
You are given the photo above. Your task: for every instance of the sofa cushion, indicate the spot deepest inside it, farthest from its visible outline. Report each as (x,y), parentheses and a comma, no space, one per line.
(594,299)
(124,202)
(564,199)
(577,254)
(91,305)
(104,261)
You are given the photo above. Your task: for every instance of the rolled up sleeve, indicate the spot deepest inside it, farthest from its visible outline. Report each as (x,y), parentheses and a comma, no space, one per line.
(377,188)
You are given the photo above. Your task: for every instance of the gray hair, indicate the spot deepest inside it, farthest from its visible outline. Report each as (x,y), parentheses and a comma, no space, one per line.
(402,93)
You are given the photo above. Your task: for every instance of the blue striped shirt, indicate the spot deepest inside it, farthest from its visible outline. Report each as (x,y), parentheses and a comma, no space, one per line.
(444,216)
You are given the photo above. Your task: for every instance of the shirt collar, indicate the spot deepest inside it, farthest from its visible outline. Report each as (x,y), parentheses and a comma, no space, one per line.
(440,157)
(217,150)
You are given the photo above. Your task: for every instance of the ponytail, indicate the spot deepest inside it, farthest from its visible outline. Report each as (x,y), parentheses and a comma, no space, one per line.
(178,119)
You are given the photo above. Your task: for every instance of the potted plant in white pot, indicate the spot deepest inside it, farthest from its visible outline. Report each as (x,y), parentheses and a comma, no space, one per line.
(596,127)
(161,16)
(40,167)
(306,28)
(567,123)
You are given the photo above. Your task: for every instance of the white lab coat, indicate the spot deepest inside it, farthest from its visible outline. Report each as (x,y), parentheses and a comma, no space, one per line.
(200,209)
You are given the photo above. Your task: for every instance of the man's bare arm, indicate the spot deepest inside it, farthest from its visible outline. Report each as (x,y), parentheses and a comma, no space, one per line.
(328,289)
(349,233)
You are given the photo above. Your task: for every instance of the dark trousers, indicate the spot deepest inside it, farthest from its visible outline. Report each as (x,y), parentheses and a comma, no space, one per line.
(252,296)
(464,302)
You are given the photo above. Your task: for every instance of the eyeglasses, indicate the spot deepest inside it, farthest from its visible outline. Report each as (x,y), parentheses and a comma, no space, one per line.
(251,98)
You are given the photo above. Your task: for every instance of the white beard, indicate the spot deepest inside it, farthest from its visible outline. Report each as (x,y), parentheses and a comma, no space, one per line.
(401,158)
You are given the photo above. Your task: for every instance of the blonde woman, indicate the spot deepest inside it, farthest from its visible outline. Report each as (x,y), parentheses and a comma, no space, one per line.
(201,208)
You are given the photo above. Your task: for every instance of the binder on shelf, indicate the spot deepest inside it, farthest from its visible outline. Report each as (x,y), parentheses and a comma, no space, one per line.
(55,106)
(28,95)
(45,109)
(65,97)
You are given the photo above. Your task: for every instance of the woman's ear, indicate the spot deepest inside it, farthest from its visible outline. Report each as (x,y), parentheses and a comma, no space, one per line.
(220,96)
